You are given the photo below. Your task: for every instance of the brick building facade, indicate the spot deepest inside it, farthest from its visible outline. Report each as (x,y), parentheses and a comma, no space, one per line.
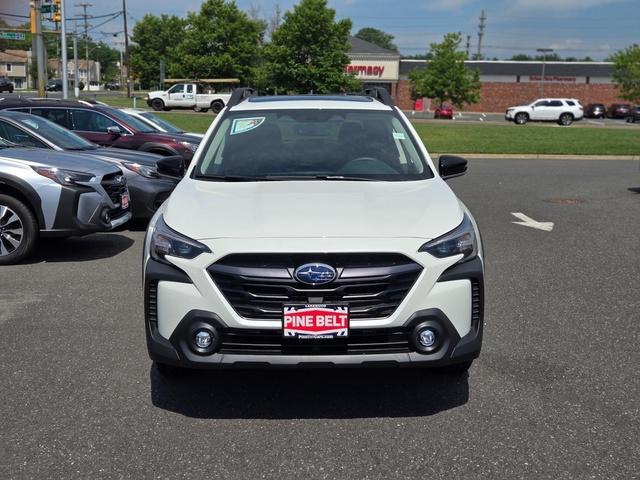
(504,83)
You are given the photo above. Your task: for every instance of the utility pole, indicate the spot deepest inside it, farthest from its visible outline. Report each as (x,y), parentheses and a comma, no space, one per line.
(544,52)
(481,27)
(468,45)
(84,7)
(63,44)
(38,44)
(76,89)
(126,47)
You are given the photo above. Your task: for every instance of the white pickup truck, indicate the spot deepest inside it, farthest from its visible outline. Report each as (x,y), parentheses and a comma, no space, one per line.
(188,95)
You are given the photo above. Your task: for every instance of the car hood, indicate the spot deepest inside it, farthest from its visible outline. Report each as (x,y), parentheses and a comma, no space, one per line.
(283,209)
(78,162)
(122,155)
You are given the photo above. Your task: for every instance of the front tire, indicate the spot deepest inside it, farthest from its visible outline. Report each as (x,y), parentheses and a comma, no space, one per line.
(157,104)
(565,119)
(521,118)
(18,230)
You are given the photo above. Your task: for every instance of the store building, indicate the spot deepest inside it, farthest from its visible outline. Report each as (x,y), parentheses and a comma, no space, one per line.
(504,83)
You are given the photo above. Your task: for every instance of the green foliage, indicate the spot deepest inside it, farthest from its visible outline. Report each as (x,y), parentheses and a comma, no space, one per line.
(308,52)
(377,37)
(553,57)
(220,41)
(447,77)
(156,38)
(626,73)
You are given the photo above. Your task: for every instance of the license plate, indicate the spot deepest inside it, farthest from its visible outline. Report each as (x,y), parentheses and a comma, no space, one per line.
(315,322)
(124,201)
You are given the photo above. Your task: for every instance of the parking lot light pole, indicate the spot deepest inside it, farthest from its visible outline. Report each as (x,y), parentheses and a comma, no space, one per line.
(544,52)
(63,43)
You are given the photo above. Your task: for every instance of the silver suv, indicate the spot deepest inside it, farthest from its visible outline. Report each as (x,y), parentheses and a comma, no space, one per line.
(55,194)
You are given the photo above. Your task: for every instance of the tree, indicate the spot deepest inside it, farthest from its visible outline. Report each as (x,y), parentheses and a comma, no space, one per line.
(377,37)
(447,77)
(156,38)
(626,72)
(220,41)
(308,52)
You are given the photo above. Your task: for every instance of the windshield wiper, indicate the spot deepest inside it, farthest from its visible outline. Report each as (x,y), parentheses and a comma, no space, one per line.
(231,178)
(320,177)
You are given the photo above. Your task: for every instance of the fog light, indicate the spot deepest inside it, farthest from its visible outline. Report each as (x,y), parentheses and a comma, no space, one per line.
(427,337)
(202,339)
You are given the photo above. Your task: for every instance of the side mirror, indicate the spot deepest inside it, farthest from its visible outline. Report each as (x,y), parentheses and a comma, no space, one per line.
(451,166)
(171,166)
(114,130)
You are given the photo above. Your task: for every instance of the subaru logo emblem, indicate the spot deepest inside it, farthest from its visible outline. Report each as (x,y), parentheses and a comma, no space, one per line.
(315,273)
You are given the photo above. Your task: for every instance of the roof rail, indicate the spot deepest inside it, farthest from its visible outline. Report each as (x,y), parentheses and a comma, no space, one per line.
(239,95)
(379,93)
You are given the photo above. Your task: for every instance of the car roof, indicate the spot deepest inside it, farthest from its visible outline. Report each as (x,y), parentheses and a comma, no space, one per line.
(42,102)
(289,102)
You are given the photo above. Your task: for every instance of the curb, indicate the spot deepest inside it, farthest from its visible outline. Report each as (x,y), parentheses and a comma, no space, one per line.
(528,156)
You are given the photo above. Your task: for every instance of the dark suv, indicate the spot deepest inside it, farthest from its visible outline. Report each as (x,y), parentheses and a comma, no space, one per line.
(105,126)
(6,85)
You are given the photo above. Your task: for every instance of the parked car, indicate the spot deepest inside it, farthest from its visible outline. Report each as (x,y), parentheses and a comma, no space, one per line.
(595,110)
(55,85)
(106,126)
(6,85)
(188,95)
(112,86)
(564,111)
(157,122)
(618,110)
(633,115)
(443,111)
(151,178)
(55,194)
(314,230)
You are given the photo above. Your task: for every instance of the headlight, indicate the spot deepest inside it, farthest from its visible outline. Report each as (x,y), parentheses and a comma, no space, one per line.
(165,241)
(461,240)
(63,177)
(147,172)
(191,146)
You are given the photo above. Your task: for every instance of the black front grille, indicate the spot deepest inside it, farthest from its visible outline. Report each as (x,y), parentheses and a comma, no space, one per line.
(271,342)
(115,185)
(152,303)
(372,284)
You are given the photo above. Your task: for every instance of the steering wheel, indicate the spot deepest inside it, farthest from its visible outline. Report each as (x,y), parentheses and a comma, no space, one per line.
(374,160)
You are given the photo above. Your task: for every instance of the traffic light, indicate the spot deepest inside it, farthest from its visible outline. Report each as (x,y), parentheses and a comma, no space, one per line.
(56,2)
(57,17)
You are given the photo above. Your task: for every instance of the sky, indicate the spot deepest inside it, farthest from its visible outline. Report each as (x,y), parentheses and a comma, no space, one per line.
(577,28)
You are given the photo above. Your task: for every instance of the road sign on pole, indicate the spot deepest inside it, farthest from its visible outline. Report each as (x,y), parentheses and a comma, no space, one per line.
(12,35)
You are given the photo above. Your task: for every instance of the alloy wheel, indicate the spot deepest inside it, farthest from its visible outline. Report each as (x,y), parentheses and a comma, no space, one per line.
(11,231)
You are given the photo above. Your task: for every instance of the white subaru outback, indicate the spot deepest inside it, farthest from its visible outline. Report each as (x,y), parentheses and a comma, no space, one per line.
(314,231)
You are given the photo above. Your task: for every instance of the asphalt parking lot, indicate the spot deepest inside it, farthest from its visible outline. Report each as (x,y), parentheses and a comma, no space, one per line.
(555,393)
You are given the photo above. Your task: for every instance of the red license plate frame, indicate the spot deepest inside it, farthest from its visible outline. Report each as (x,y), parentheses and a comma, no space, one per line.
(315,321)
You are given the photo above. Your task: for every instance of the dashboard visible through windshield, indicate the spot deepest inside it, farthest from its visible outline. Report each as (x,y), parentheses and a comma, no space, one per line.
(312,144)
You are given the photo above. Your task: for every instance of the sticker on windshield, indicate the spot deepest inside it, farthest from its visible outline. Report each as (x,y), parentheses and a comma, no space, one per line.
(398,136)
(243,125)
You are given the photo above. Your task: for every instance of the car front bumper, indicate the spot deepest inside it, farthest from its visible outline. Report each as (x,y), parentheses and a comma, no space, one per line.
(81,212)
(147,194)
(179,299)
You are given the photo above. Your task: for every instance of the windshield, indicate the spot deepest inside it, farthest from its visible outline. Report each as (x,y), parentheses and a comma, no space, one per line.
(312,144)
(167,126)
(59,136)
(132,121)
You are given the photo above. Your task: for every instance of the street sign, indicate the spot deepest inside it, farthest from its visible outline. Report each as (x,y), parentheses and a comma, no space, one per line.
(12,35)
(46,8)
